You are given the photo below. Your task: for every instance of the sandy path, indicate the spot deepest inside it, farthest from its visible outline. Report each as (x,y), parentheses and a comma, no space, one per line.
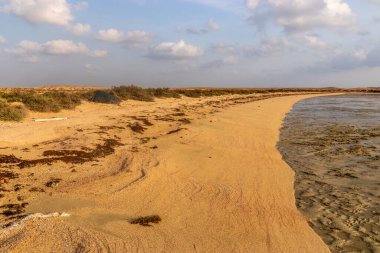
(219,186)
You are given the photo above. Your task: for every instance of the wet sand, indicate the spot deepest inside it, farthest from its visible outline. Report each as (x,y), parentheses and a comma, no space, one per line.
(191,175)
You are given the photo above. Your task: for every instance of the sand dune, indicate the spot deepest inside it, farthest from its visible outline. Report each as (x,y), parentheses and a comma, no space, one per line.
(218,184)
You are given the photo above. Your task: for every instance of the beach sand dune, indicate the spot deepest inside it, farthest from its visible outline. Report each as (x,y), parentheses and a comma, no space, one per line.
(217,185)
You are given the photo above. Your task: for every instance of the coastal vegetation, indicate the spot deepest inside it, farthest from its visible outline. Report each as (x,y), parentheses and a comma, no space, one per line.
(43,102)
(14,103)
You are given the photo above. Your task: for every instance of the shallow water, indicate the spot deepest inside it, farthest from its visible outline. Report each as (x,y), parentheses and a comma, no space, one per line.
(333,144)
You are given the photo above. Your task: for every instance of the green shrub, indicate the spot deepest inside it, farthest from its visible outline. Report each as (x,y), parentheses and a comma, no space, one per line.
(87,95)
(132,92)
(64,100)
(191,93)
(163,93)
(11,112)
(44,102)
(40,103)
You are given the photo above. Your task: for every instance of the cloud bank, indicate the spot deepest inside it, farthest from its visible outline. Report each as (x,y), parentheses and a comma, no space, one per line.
(31,51)
(303,15)
(131,38)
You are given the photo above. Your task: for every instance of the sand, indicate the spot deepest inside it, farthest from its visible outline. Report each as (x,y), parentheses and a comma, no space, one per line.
(218,184)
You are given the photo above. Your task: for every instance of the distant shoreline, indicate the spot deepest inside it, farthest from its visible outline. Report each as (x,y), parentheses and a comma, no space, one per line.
(269,89)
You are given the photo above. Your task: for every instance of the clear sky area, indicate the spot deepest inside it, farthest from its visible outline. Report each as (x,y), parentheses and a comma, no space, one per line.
(184,43)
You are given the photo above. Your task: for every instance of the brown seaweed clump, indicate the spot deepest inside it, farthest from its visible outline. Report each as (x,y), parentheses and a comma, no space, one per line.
(175,131)
(6,175)
(13,209)
(53,182)
(137,128)
(145,221)
(66,156)
(9,159)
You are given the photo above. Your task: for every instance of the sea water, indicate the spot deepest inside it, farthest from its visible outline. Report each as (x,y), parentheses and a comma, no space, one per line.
(333,145)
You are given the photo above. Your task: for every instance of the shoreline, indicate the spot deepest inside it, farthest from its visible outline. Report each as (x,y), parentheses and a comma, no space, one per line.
(215,189)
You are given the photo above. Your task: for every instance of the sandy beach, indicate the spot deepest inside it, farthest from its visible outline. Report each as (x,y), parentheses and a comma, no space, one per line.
(207,170)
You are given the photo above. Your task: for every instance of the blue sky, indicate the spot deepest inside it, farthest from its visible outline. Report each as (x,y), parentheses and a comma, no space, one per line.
(173,43)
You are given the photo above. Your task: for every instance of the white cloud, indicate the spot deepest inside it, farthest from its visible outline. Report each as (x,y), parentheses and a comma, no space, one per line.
(79,29)
(225,5)
(68,47)
(314,42)
(224,49)
(80,6)
(226,55)
(296,15)
(136,38)
(90,68)
(252,4)
(64,47)
(226,61)
(132,38)
(343,61)
(112,35)
(2,39)
(31,59)
(99,53)
(210,26)
(360,54)
(375,1)
(318,46)
(278,45)
(175,50)
(231,60)
(27,50)
(24,48)
(272,46)
(354,59)
(376,19)
(56,12)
